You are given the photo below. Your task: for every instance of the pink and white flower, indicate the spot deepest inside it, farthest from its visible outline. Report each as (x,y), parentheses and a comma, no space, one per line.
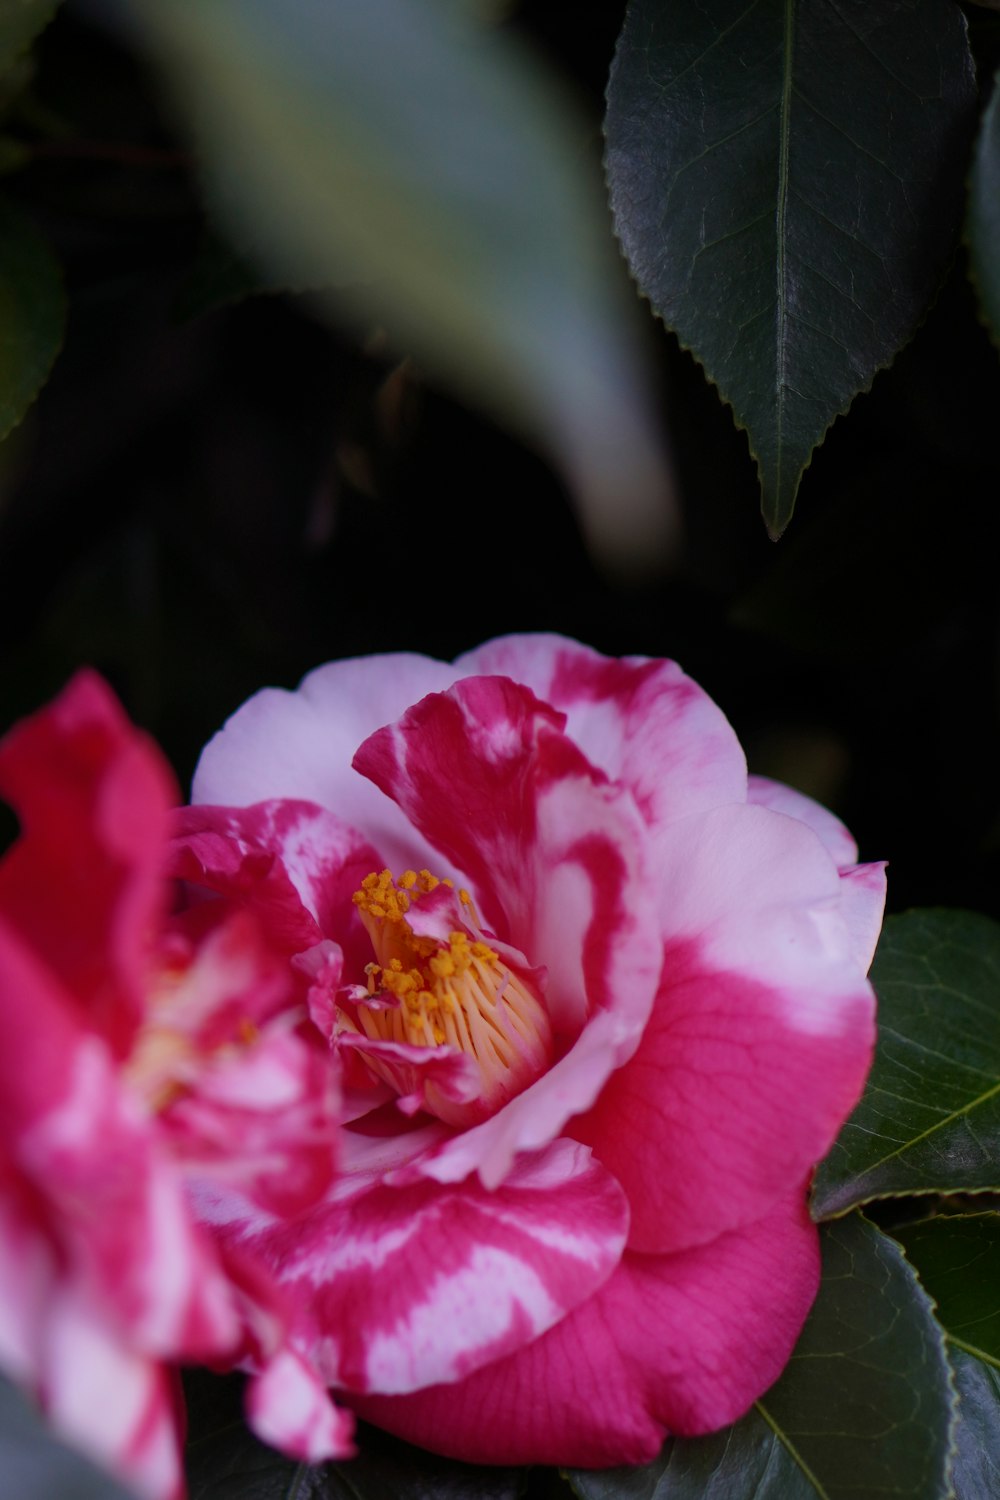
(601,1005)
(140,1053)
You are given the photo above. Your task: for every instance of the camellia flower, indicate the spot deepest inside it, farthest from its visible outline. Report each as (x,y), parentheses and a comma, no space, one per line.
(140,1053)
(601,1005)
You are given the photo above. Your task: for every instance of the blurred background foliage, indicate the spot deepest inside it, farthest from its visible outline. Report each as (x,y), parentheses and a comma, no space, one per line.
(223,483)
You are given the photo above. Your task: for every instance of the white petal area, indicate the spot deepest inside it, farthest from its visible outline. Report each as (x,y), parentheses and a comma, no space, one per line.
(785,799)
(110,1402)
(300,744)
(642,720)
(863,895)
(290,1409)
(763,897)
(396,1285)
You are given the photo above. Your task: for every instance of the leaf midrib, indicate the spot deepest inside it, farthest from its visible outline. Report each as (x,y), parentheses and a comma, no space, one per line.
(792,1451)
(784,136)
(956,1114)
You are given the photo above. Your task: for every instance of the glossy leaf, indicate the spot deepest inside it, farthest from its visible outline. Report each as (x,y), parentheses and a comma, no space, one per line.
(958,1260)
(929,1120)
(32,314)
(863,1410)
(976,1465)
(983,231)
(414,152)
(786,179)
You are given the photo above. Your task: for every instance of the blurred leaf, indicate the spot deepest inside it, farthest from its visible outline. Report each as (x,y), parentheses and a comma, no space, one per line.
(983,229)
(929,1120)
(226,1462)
(34,1465)
(32,314)
(958,1261)
(220,277)
(20,22)
(413,151)
(786,179)
(862,1411)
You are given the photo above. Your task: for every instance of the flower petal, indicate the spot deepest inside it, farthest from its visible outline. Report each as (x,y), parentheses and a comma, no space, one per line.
(759,1041)
(92,795)
(110,1401)
(289,1408)
(863,902)
(300,744)
(104,1189)
(642,721)
(294,864)
(680,1343)
(785,799)
(397,1287)
(556,859)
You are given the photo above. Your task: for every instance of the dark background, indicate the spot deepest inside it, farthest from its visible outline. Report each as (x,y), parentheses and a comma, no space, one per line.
(211,495)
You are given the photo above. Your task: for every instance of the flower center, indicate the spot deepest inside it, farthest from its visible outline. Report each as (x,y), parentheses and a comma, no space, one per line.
(437,984)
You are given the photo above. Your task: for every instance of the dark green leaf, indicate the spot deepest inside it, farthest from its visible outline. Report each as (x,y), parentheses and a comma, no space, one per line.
(32,314)
(984,214)
(862,1412)
(976,1466)
(20,22)
(36,1466)
(929,1120)
(786,179)
(958,1260)
(418,155)
(226,1462)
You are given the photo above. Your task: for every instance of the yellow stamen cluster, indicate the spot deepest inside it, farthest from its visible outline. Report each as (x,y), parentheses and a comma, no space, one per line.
(454,992)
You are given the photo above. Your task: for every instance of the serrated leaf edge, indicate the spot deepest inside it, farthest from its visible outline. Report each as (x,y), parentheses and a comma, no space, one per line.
(955,1404)
(863,390)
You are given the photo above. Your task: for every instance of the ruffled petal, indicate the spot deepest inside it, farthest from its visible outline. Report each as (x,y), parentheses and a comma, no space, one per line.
(401,1286)
(109,1400)
(295,865)
(642,721)
(109,1198)
(290,1409)
(681,1343)
(554,854)
(836,838)
(300,744)
(556,860)
(92,795)
(760,1038)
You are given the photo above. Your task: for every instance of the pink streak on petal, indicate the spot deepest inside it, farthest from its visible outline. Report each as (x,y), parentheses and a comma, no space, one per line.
(74,1133)
(642,721)
(300,744)
(289,1408)
(785,799)
(863,892)
(681,1343)
(295,864)
(397,1287)
(112,1403)
(92,795)
(554,854)
(725,1102)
